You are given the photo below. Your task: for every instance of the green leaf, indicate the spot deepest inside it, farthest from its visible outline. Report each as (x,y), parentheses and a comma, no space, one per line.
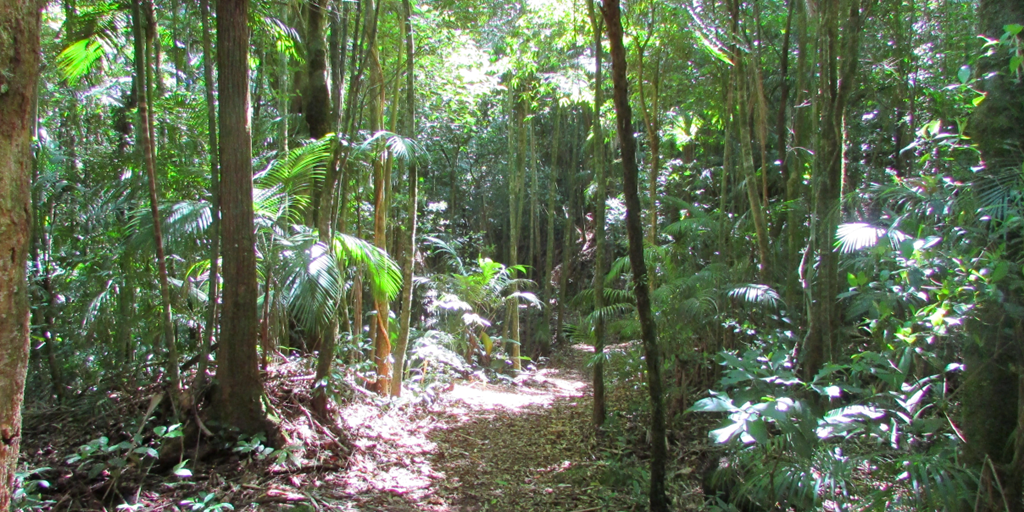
(1015,62)
(977,100)
(76,60)
(713,404)
(180,471)
(999,272)
(964,75)
(1013,29)
(758,430)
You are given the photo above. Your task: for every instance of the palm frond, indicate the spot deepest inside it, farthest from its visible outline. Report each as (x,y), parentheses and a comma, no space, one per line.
(756,294)
(855,236)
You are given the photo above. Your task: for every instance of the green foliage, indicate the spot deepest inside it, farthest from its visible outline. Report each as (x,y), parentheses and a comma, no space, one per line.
(26,493)
(206,503)
(870,420)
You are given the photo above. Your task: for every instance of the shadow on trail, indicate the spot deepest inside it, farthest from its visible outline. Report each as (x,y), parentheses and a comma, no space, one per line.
(482,447)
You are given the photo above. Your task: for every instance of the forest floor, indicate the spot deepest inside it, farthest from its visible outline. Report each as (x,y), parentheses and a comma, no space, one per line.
(525,445)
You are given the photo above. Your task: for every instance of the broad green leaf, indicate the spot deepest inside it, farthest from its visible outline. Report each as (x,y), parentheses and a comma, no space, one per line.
(758,430)
(713,404)
(964,75)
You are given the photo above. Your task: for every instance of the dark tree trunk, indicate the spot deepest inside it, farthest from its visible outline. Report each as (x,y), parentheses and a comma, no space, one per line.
(238,399)
(839,73)
(316,99)
(634,230)
(19,60)
(992,387)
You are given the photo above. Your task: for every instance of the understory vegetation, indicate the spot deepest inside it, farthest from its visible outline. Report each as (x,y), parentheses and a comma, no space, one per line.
(749,255)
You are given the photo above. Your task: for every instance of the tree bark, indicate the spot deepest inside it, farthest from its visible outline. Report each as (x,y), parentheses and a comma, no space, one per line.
(211,126)
(238,399)
(549,252)
(516,185)
(992,413)
(149,161)
(839,73)
(634,230)
(410,254)
(382,340)
(600,407)
(19,38)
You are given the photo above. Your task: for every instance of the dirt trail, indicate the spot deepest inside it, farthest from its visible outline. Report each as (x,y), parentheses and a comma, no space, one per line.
(480,447)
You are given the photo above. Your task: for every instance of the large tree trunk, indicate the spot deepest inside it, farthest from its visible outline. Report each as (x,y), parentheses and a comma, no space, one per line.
(839,73)
(991,410)
(316,106)
(600,408)
(19,36)
(146,131)
(410,254)
(634,230)
(238,400)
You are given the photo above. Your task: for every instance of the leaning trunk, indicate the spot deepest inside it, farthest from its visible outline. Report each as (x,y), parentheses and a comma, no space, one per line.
(634,230)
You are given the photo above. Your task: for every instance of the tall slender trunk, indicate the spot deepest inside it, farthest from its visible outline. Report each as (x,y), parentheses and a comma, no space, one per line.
(516,184)
(211,126)
(648,329)
(549,252)
(382,341)
(410,254)
(652,122)
(600,408)
(534,193)
(750,176)
(795,190)
(567,236)
(145,134)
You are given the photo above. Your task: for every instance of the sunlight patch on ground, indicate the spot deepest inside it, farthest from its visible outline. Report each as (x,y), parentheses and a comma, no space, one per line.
(487,397)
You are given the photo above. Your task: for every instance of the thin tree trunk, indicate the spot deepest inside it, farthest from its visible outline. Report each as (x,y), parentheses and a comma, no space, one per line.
(652,122)
(410,256)
(20,24)
(382,341)
(648,329)
(516,183)
(211,126)
(145,133)
(567,237)
(750,176)
(534,192)
(549,253)
(600,407)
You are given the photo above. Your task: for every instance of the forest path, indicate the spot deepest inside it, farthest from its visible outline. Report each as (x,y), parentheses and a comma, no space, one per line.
(480,447)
